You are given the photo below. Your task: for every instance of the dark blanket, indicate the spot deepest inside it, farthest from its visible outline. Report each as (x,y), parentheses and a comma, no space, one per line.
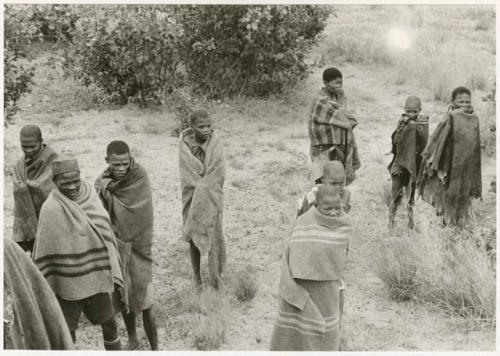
(130,205)
(38,323)
(450,173)
(32,185)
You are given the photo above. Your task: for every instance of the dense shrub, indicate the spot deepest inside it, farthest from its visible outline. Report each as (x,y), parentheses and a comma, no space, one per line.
(54,22)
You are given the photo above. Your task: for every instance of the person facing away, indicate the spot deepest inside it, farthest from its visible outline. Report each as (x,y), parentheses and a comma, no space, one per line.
(450,174)
(408,142)
(125,191)
(202,173)
(75,249)
(331,127)
(32,183)
(313,264)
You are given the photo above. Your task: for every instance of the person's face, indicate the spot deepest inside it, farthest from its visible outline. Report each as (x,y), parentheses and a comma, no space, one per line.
(69,184)
(202,128)
(462,101)
(333,182)
(412,112)
(334,86)
(31,146)
(118,164)
(329,205)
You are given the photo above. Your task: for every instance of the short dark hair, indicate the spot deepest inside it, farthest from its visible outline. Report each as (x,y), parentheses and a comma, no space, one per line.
(458,91)
(198,114)
(117,147)
(331,73)
(31,131)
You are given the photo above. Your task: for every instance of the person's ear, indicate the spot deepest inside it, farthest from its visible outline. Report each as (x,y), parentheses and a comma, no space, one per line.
(106,159)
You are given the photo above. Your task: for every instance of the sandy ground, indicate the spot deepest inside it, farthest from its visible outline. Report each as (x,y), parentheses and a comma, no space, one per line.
(266,172)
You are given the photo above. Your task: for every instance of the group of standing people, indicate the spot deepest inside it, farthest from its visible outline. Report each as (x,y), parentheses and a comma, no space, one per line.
(89,248)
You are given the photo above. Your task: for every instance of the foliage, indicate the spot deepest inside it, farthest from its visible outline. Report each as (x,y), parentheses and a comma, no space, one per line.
(54,22)
(245,285)
(129,51)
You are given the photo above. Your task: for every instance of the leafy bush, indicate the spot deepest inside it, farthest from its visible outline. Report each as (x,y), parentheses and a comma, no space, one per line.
(248,50)
(54,22)
(129,51)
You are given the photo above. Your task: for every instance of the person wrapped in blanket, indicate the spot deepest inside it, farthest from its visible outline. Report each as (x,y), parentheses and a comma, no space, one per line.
(76,251)
(408,142)
(313,263)
(450,173)
(331,127)
(32,180)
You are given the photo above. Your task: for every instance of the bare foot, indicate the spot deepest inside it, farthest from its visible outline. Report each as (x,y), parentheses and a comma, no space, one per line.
(132,345)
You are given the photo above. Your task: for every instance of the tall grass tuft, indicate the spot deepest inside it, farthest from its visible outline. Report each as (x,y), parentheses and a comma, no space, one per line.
(245,285)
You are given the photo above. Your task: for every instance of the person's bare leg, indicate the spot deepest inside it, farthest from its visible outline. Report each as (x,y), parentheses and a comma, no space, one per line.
(149,320)
(73,335)
(397,193)
(195,262)
(129,319)
(411,203)
(110,335)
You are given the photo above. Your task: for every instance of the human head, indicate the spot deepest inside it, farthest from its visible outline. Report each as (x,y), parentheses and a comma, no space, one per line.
(413,106)
(333,173)
(332,79)
(31,140)
(118,158)
(201,125)
(66,177)
(328,200)
(461,98)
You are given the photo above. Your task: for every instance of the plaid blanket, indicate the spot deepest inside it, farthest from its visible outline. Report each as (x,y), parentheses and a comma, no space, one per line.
(450,174)
(32,183)
(75,248)
(313,264)
(38,323)
(203,201)
(130,205)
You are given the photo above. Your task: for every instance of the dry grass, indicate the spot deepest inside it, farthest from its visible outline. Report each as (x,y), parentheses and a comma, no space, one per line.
(235,163)
(241,183)
(244,285)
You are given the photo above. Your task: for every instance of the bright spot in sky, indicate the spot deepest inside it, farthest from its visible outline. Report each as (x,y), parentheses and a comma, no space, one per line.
(398,38)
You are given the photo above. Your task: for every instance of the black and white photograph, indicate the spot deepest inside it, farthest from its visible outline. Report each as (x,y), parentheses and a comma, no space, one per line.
(249,177)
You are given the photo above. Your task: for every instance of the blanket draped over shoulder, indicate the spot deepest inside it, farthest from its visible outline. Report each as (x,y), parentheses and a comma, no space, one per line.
(313,264)
(32,185)
(203,201)
(331,130)
(75,248)
(408,142)
(450,173)
(130,205)
(38,320)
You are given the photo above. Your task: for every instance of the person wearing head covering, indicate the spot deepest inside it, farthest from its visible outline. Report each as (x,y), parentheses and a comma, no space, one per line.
(202,172)
(32,180)
(125,192)
(331,127)
(450,173)
(76,251)
(313,264)
(408,142)
(33,319)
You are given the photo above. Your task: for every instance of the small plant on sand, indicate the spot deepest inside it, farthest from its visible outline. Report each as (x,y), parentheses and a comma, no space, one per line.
(245,285)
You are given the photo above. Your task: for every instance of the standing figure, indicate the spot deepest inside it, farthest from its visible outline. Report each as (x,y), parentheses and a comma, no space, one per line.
(331,128)
(76,251)
(450,174)
(32,184)
(125,191)
(313,264)
(202,171)
(408,142)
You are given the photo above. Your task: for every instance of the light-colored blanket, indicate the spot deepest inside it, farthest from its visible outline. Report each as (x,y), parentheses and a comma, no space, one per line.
(313,264)
(203,201)
(32,184)
(38,323)
(75,248)
(130,205)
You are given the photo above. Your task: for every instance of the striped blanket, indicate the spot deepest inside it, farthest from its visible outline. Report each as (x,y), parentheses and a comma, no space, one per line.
(203,201)
(32,185)
(75,248)
(38,322)
(313,264)
(130,205)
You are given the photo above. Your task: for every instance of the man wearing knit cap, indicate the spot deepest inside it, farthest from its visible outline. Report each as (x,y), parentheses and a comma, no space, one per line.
(76,251)
(331,128)
(408,142)
(32,180)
